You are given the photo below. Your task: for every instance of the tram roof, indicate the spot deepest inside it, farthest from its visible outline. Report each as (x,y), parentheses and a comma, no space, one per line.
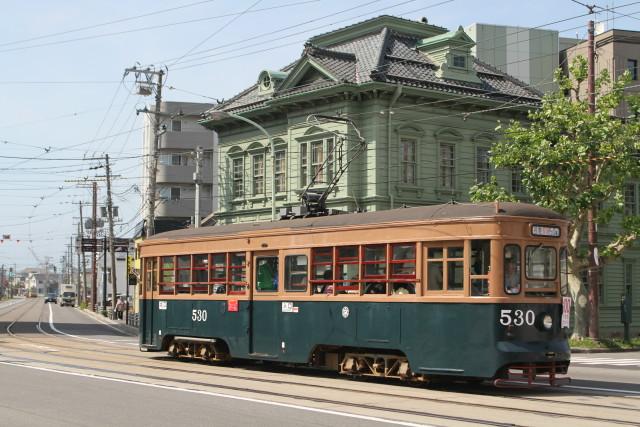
(459,211)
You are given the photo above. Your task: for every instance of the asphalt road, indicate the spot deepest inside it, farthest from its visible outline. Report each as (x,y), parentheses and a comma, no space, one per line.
(60,366)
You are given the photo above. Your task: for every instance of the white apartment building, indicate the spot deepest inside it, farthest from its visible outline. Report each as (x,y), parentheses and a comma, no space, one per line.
(175,187)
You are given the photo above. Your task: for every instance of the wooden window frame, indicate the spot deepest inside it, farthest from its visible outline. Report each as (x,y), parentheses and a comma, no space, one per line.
(196,286)
(445,246)
(353,284)
(286,285)
(258,168)
(166,288)
(322,282)
(408,160)
(230,268)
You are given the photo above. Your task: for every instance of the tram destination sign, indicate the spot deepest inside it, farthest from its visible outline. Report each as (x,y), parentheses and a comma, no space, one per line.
(545,230)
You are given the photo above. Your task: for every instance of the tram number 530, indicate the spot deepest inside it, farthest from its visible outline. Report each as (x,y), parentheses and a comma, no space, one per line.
(199,315)
(517,317)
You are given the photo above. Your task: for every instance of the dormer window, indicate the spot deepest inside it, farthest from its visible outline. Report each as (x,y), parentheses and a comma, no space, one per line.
(265,82)
(460,61)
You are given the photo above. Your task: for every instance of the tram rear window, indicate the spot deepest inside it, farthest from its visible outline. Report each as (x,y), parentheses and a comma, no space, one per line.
(540,262)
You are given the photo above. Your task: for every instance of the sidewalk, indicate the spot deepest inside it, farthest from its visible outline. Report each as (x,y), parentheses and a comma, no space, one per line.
(603,350)
(116,324)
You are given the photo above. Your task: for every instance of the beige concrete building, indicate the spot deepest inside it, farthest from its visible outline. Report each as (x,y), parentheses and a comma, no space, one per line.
(175,188)
(616,51)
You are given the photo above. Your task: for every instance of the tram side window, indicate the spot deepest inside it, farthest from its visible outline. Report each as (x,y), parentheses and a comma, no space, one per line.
(403,268)
(218,273)
(445,268)
(322,270)
(348,270)
(167,275)
(512,269)
(480,267)
(199,274)
(435,272)
(375,269)
(295,273)
(237,273)
(183,274)
(267,274)
(564,272)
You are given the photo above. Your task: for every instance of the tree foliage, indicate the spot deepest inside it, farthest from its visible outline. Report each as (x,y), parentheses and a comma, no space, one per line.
(552,151)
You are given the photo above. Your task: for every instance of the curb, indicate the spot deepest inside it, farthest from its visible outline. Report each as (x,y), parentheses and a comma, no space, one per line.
(603,350)
(126,329)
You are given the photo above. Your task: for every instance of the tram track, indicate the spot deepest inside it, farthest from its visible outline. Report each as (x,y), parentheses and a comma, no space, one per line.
(155,378)
(335,388)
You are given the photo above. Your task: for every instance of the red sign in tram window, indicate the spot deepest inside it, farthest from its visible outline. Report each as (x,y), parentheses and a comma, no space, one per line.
(232,305)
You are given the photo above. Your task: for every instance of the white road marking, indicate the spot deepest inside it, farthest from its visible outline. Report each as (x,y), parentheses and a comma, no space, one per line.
(605,361)
(53,327)
(613,390)
(222,395)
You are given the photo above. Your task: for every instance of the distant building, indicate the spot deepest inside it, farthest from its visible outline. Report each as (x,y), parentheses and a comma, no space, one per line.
(425,107)
(616,51)
(175,188)
(528,54)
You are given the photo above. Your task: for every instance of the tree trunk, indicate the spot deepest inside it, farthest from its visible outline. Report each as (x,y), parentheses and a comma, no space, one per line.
(580,306)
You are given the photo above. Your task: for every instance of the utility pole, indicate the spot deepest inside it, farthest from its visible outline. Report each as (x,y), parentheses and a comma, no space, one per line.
(114,287)
(197,179)
(104,274)
(84,265)
(79,270)
(592,237)
(94,236)
(145,87)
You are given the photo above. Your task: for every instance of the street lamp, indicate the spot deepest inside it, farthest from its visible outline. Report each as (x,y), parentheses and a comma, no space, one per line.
(217,115)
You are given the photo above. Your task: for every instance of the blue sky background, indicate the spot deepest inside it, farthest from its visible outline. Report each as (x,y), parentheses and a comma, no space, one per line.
(61,65)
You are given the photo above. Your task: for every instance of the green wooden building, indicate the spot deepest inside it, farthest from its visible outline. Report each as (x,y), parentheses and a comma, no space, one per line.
(425,107)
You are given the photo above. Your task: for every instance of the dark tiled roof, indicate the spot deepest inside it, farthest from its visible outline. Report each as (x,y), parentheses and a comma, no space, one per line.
(421,213)
(389,56)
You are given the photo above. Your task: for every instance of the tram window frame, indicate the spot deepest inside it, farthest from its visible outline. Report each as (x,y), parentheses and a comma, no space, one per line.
(554,257)
(275,279)
(324,285)
(233,285)
(183,265)
(198,285)
(564,271)
(400,281)
(347,285)
(509,290)
(301,274)
(167,287)
(374,283)
(446,262)
(479,271)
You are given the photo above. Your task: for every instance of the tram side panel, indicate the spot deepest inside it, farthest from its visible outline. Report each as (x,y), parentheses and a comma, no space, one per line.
(452,339)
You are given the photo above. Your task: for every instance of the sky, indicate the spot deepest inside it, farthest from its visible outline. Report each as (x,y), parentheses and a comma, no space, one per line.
(63,98)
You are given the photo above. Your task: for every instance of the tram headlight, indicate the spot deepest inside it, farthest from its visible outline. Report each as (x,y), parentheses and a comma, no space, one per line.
(547,321)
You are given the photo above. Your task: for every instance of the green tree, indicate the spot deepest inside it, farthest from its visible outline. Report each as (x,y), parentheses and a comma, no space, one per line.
(552,150)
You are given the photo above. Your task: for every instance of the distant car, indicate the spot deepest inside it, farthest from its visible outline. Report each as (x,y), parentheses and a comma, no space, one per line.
(68,298)
(51,297)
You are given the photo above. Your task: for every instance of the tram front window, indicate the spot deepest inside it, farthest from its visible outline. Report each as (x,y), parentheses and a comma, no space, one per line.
(541,262)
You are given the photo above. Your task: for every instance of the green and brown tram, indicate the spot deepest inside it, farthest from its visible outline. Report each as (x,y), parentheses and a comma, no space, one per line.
(456,290)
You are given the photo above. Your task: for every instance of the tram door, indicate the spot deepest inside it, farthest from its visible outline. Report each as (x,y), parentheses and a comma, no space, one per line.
(265,306)
(147,306)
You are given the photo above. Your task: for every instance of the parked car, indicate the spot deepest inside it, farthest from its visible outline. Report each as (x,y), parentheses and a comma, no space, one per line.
(51,297)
